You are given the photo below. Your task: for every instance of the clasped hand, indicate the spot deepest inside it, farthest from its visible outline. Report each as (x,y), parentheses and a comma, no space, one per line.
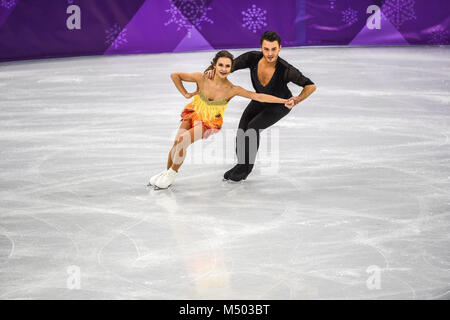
(290,103)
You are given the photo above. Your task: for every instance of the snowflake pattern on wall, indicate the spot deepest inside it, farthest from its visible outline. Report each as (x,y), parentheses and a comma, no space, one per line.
(332,3)
(439,36)
(116,36)
(349,16)
(187,14)
(254,18)
(8,4)
(399,11)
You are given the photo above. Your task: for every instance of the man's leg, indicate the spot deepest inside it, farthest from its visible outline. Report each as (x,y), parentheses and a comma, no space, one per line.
(270,115)
(252,110)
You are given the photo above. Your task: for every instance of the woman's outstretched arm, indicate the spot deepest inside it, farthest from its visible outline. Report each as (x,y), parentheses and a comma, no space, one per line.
(261,97)
(178,77)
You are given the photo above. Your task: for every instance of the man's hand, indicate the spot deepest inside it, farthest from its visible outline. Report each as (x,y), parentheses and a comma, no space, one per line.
(306,92)
(209,74)
(290,103)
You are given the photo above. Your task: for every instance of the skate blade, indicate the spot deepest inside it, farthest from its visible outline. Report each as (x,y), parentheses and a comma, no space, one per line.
(158,188)
(234,182)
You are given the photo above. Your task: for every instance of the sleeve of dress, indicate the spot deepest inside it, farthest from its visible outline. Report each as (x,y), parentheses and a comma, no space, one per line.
(243,61)
(294,75)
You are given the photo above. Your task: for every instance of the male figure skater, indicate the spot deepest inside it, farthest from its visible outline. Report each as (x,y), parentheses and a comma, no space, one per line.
(270,75)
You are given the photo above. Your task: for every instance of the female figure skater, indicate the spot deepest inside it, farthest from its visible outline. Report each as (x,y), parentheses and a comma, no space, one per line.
(204,115)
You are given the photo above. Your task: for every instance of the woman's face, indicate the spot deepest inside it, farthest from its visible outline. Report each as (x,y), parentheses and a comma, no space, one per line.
(223,67)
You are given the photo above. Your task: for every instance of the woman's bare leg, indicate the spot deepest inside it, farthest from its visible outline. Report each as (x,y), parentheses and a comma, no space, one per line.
(184,126)
(184,141)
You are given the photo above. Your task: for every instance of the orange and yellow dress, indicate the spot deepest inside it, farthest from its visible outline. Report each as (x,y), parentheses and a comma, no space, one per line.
(205,112)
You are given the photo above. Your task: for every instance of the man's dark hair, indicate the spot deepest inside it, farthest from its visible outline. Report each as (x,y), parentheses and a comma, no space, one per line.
(271,36)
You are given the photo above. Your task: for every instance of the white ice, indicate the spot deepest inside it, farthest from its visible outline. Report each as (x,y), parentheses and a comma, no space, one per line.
(349,199)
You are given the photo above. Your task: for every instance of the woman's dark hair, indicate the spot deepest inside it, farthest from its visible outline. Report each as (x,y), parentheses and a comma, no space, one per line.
(221,54)
(271,36)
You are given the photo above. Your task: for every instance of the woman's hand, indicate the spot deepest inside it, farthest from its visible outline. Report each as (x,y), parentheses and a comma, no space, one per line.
(188,95)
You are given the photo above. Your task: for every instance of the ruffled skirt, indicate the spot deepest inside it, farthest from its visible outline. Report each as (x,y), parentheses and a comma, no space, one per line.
(210,126)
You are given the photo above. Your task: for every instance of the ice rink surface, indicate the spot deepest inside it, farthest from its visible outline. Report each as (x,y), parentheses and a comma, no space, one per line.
(349,199)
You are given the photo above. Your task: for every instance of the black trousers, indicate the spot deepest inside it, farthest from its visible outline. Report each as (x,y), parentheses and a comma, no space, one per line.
(256,117)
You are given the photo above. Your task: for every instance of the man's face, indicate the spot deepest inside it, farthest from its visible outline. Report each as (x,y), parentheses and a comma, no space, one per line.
(270,50)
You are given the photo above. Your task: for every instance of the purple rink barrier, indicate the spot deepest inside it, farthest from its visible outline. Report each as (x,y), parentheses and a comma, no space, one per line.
(59,28)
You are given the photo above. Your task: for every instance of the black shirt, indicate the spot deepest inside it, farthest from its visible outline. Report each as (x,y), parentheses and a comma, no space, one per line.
(277,86)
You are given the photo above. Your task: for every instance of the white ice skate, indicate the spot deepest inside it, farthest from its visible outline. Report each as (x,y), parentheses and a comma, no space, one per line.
(166,179)
(155,177)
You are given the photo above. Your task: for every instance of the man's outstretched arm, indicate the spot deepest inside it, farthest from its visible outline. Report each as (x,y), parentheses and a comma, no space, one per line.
(243,61)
